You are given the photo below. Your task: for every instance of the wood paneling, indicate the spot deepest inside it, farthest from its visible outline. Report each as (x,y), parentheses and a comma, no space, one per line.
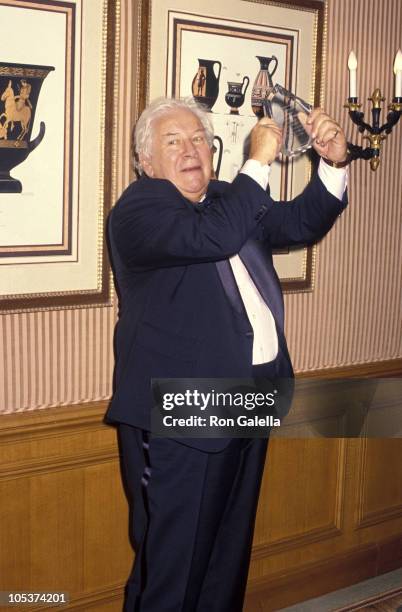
(294,515)
(381,495)
(327,515)
(353,314)
(63,512)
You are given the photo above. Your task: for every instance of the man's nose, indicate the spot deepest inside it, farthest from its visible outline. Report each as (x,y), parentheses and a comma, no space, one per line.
(189,148)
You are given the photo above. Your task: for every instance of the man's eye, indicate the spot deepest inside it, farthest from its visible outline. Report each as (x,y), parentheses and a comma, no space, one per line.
(173,141)
(198,139)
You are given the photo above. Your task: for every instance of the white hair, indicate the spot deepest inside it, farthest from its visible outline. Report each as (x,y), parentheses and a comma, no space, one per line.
(143,131)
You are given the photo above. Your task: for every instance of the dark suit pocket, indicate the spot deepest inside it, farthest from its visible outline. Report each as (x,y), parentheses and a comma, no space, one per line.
(167,343)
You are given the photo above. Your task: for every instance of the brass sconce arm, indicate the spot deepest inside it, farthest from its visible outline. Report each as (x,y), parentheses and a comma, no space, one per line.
(375,130)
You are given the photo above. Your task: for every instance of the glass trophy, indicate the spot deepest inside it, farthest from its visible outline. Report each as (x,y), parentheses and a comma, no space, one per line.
(286,109)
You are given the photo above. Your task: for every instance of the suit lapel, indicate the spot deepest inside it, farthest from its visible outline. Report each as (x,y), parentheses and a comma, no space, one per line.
(258,262)
(230,286)
(259,265)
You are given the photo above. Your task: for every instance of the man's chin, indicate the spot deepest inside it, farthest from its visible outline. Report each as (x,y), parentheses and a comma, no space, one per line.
(193,190)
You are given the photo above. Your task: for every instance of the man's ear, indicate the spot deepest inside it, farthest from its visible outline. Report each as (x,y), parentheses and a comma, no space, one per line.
(147,166)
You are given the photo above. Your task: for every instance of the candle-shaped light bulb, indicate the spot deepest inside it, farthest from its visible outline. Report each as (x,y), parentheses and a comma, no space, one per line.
(352,65)
(398,74)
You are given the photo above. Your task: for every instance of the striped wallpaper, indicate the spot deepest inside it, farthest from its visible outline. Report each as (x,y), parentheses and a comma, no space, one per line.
(354,313)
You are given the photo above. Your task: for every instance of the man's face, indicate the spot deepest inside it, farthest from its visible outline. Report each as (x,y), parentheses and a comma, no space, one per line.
(180,153)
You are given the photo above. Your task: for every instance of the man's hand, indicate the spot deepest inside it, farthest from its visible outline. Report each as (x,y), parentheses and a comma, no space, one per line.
(265,141)
(328,137)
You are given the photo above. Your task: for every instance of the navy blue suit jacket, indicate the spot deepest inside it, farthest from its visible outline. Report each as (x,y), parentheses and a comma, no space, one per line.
(181,315)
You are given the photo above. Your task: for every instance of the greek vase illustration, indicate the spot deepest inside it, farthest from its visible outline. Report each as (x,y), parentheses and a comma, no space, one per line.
(220,153)
(20,85)
(205,85)
(235,96)
(263,84)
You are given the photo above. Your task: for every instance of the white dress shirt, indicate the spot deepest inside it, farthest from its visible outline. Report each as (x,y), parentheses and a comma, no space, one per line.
(265,344)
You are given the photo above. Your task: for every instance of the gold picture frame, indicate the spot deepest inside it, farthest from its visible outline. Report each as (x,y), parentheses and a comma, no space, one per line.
(167,34)
(52,247)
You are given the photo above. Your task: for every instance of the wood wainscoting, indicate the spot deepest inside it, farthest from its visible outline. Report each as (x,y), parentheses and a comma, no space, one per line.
(63,512)
(330,511)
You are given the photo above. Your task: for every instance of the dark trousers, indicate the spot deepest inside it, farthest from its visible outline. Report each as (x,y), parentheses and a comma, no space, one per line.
(192,521)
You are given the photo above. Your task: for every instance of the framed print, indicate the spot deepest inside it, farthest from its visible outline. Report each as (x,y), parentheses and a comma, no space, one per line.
(227,60)
(56,143)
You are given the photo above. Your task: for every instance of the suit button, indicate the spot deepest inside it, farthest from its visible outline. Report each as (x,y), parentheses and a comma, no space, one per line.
(261,212)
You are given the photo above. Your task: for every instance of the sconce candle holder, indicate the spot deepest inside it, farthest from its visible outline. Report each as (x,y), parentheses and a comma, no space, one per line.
(375,131)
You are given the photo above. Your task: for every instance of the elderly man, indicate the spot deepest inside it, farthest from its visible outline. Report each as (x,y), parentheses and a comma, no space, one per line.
(199,297)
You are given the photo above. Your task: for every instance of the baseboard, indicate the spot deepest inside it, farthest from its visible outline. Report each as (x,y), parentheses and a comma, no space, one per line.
(318,578)
(103,600)
(389,555)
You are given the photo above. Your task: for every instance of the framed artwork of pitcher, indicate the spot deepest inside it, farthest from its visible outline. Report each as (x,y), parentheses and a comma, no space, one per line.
(56,138)
(229,64)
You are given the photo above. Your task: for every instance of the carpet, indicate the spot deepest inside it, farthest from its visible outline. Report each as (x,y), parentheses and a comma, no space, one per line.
(391,601)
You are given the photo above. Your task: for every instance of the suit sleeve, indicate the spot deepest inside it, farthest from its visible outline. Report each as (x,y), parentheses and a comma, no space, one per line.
(303,220)
(153,225)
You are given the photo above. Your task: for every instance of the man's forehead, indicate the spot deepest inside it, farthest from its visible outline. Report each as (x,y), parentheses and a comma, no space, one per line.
(175,121)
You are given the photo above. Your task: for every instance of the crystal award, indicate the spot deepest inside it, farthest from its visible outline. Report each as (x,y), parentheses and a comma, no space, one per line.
(285,108)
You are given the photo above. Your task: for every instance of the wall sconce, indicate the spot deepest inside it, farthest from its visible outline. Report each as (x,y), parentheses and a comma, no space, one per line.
(375,130)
